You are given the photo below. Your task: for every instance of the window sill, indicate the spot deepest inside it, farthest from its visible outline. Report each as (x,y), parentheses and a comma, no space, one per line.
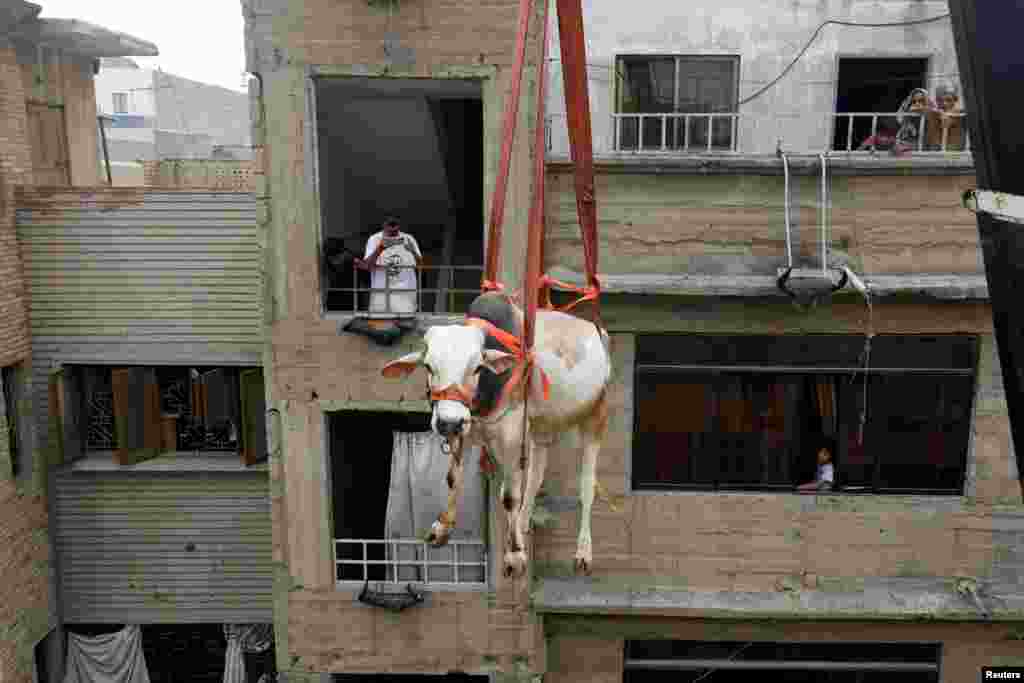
(711,163)
(342,318)
(171,461)
(393,587)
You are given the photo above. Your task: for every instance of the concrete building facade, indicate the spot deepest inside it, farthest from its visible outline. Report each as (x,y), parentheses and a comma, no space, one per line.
(706,555)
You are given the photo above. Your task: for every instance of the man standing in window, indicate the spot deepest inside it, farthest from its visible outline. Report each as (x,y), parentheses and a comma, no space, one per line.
(392,257)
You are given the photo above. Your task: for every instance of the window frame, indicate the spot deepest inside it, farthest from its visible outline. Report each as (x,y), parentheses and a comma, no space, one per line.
(122,98)
(973,347)
(929,75)
(932,665)
(334,420)
(617,92)
(247,452)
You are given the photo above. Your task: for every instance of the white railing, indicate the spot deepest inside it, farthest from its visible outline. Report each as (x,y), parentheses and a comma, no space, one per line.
(848,132)
(459,563)
(756,134)
(391,302)
(675,132)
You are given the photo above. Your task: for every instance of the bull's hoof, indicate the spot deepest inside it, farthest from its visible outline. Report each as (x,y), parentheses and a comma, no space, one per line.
(584,564)
(515,564)
(439,534)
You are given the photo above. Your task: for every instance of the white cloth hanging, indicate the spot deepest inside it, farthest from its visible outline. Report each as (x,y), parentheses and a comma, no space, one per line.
(242,638)
(108,658)
(418,492)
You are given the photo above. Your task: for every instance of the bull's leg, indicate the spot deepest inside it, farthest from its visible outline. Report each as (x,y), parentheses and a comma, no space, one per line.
(536,463)
(441,529)
(592,435)
(509,450)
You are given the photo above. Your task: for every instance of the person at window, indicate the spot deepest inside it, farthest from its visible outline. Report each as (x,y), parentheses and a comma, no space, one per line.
(945,121)
(825,476)
(911,115)
(392,257)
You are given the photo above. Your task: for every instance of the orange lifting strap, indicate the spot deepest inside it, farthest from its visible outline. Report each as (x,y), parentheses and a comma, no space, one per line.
(570,25)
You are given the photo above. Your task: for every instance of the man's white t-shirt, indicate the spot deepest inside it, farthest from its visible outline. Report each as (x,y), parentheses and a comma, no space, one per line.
(826,473)
(402,281)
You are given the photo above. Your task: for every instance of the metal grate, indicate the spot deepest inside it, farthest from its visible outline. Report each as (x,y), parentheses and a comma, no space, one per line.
(459,563)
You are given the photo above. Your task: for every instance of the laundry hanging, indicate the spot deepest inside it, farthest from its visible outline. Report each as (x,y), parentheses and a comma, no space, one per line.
(244,638)
(107,658)
(418,492)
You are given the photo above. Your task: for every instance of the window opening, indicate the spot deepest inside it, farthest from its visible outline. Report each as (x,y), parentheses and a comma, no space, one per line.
(389,482)
(870,94)
(679,103)
(805,662)
(757,411)
(200,409)
(9,417)
(413,150)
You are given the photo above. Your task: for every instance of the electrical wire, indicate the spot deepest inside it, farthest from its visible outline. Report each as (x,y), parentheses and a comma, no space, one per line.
(818,30)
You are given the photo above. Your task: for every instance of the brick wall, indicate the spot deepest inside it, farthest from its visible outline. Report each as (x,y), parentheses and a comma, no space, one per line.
(231,175)
(15,168)
(24,544)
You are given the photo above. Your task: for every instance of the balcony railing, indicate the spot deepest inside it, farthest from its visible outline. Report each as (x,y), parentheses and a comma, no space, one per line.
(752,134)
(459,563)
(439,289)
(851,127)
(675,132)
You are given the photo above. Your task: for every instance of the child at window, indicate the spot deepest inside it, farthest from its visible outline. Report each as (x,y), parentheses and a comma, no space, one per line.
(825,477)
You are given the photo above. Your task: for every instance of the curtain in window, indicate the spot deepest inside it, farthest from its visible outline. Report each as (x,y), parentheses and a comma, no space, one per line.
(108,658)
(825,393)
(418,492)
(244,638)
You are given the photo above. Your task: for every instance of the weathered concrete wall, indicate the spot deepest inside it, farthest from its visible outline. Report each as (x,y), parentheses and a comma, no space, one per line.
(765,542)
(592,649)
(311,368)
(734,224)
(766,36)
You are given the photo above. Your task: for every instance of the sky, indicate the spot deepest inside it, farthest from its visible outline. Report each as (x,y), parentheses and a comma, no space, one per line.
(198,39)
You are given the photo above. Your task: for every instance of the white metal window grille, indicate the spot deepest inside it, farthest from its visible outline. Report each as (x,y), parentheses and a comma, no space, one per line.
(459,563)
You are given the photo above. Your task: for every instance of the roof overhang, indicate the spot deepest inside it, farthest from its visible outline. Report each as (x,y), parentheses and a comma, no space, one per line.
(85,39)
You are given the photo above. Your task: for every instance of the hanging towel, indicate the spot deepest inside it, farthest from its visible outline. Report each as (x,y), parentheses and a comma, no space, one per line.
(108,658)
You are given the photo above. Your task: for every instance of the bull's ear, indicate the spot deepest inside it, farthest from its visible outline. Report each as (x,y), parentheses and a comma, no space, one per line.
(402,367)
(498,361)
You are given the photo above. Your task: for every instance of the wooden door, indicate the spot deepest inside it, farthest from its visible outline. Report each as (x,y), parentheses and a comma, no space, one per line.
(48,137)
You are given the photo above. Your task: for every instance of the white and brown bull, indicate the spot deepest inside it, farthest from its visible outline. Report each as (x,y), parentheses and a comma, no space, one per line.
(471,376)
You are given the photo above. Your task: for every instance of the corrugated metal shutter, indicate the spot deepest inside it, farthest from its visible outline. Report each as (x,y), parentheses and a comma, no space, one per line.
(161,547)
(139,276)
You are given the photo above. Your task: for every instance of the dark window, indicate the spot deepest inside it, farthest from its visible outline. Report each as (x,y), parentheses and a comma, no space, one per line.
(753,412)
(705,87)
(176,408)
(9,412)
(731,662)
(873,85)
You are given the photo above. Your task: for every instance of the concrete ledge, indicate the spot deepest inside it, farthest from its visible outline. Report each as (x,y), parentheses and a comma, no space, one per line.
(856,164)
(168,462)
(888,599)
(953,287)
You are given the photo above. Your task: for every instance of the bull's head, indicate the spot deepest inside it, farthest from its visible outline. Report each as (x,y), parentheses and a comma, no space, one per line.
(453,356)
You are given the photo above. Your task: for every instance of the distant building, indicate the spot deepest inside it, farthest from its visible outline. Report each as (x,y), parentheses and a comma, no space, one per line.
(156,115)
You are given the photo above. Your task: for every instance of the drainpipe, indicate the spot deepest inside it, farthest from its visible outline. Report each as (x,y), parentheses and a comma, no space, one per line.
(785,210)
(101,119)
(824,214)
